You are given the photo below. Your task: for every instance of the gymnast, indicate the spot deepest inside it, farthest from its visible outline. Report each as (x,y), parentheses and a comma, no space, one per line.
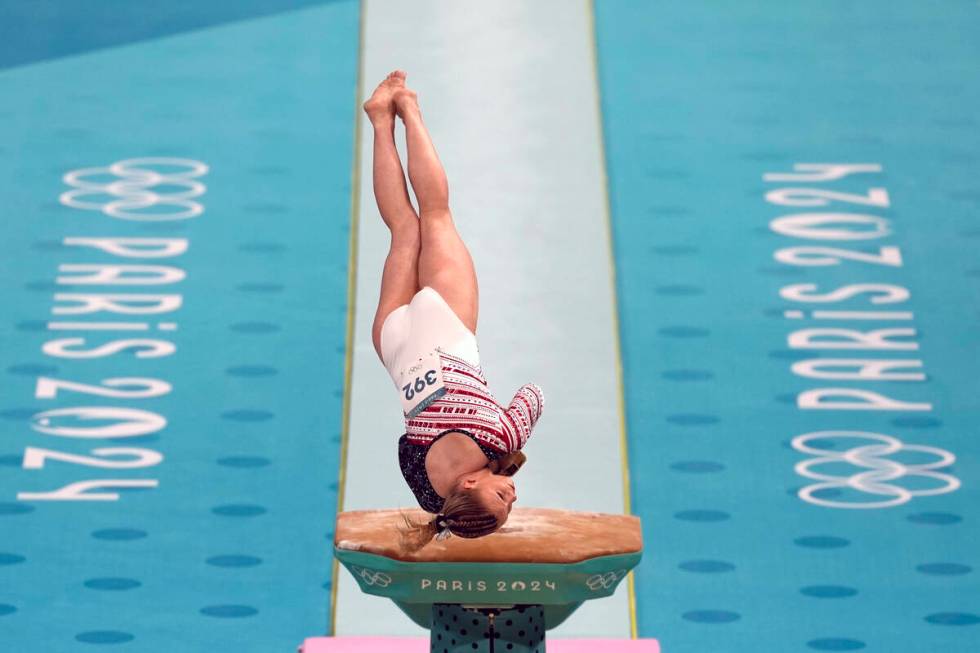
(461,447)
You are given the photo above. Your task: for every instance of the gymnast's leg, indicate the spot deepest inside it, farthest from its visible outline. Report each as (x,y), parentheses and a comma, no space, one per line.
(444,263)
(400,279)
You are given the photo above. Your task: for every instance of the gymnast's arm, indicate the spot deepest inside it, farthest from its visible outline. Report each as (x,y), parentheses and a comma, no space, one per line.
(522,414)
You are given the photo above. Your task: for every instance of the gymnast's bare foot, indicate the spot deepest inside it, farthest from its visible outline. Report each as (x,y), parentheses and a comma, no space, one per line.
(406,101)
(380,106)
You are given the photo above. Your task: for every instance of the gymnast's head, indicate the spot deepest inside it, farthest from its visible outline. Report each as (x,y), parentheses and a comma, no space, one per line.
(478,505)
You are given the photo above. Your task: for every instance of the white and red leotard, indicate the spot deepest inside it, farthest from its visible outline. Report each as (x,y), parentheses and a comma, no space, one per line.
(426,325)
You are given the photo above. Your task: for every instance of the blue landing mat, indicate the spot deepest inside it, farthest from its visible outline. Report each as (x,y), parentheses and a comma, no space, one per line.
(233,399)
(701,100)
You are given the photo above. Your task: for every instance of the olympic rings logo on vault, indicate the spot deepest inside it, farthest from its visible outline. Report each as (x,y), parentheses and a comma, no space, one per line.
(370,577)
(148,189)
(605,581)
(885,481)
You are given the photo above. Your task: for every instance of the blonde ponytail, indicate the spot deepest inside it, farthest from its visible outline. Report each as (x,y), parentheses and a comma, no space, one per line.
(415,534)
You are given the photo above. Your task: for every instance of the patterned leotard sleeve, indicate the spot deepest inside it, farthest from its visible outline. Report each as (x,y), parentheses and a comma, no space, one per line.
(521,416)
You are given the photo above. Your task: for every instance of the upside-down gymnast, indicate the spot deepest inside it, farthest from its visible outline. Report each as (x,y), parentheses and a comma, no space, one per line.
(460,447)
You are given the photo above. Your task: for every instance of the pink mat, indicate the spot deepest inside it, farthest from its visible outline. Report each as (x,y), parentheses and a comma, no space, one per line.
(421,645)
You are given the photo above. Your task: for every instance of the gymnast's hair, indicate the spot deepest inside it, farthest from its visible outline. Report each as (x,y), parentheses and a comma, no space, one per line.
(463,514)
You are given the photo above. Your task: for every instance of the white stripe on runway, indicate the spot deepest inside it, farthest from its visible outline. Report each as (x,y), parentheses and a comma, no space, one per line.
(507,90)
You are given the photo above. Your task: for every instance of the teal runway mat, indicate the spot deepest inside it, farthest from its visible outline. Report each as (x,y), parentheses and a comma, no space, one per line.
(701,100)
(238,430)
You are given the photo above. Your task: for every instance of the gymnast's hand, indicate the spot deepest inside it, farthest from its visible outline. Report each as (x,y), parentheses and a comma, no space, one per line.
(509,464)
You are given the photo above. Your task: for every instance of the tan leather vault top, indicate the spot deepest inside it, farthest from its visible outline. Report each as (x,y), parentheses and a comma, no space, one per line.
(530,535)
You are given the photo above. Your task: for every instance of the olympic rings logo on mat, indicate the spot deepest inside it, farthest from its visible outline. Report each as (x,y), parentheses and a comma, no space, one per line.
(880,470)
(372,578)
(605,581)
(135,194)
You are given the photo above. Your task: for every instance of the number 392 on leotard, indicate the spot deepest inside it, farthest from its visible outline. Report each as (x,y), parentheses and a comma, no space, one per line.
(421,384)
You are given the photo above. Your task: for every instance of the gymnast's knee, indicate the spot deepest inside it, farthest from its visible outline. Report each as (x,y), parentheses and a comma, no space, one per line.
(435,212)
